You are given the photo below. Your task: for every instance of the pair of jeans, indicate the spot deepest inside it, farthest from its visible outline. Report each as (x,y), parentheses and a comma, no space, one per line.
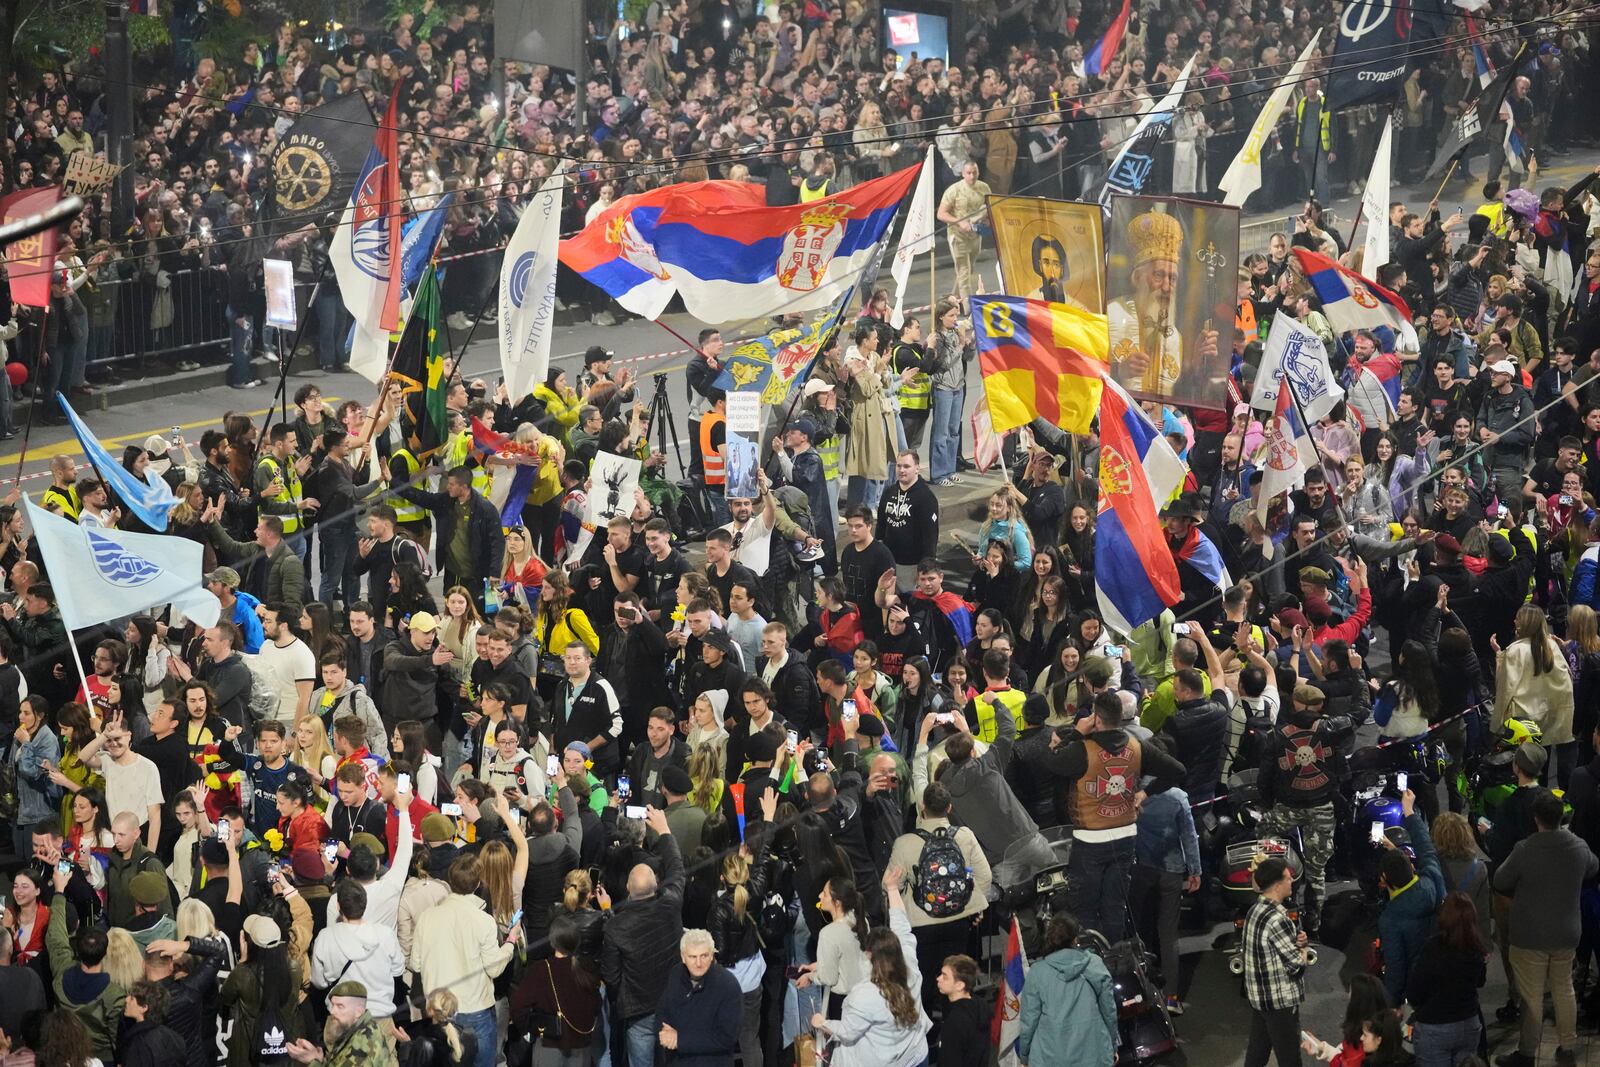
(1274,1032)
(641,1041)
(1446,1044)
(239,336)
(331,351)
(863,490)
(1099,872)
(944,432)
(717,502)
(339,578)
(481,1023)
(1166,887)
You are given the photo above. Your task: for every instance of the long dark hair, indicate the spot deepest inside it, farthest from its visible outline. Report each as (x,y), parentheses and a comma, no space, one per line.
(1385,1025)
(843,890)
(1367,998)
(890,974)
(1413,677)
(817,852)
(1457,925)
(138,651)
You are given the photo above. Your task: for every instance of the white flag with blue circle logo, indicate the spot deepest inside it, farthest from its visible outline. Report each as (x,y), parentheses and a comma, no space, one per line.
(528,291)
(100,574)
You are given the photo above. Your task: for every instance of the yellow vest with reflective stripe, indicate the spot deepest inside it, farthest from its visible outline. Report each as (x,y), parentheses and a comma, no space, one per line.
(66,499)
(916,394)
(1010,699)
(289,494)
(829,452)
(405,510)
(808,194)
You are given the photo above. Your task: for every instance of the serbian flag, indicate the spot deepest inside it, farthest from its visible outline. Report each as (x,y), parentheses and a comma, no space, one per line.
(1136,577)
(31,261)
(1288,454)
(1006,1027)
(490,442)
(724,260)
(365,252)
(1040,360)
(1480,58)
(616,251)
(1351,301)
(1105,49)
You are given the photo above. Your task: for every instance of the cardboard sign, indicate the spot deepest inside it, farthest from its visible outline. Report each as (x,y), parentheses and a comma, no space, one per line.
(744,412)
(86,173)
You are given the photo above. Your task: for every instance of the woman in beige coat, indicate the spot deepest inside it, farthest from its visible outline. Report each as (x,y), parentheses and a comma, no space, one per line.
(1532,681)
(869,449)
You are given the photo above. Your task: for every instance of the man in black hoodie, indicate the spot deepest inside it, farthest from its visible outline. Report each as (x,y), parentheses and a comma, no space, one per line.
(1300,770)
(908,518)
(1105,765)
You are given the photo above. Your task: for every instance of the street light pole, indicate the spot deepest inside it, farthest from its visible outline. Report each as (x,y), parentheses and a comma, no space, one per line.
(119,135)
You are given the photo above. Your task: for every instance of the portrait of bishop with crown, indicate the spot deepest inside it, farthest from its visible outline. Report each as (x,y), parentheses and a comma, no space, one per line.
(810,247)
(1147,352)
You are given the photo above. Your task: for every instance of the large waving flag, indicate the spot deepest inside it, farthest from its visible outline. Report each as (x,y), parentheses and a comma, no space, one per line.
(723,260)
(1131,169)
(31,262)
(1353,302)
(1006,1026)
(1110,42)
(916,238)
(100,574)
(1244,173)
(772,363)
(528,290)
(1476,117)
(419,240)
(1136,578)
(366,246)
(1295,354)
(1375,203)
(1287,455)
(615,252)
(419,367)
(1040,360)
(150,499)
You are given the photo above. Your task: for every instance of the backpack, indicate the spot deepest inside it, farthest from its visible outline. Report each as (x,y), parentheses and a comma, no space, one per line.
(269,1046)
(941,879)
(263,692)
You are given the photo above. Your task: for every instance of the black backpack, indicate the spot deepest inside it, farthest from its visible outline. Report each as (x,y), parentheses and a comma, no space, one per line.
(941,881)
(269,1047)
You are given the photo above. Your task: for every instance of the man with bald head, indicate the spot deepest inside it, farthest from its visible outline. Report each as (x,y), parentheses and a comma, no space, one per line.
(128,859)
(641,942)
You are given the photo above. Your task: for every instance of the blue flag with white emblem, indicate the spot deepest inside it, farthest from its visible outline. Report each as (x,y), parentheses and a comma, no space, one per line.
(150,498)
(1130,170)
(100,574)
(528,290)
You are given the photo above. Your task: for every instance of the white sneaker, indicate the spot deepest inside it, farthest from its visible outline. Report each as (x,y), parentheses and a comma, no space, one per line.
(604,317)
(459,321)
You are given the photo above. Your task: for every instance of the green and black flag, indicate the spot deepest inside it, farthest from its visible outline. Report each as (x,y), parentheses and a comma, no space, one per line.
(419,368)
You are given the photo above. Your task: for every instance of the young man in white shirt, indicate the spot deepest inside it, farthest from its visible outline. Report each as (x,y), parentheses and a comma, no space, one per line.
(288,661)
(133,782)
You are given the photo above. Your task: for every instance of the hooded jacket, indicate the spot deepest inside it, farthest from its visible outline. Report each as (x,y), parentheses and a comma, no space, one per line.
(94,998)
(980,798)
(867,1032)
(356,701)
(1406,921)
(1068,1013)
(364,952)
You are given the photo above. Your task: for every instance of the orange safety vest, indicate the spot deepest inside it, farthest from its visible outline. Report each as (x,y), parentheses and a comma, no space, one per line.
(712,459)
(1245,320)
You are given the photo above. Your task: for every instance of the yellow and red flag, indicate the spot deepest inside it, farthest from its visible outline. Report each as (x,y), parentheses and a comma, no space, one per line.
(1040,360)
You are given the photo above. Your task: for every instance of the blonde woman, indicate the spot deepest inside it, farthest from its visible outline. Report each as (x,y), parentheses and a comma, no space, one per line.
(124,960)
(1464,866)
(542,512)
(1583,660)
(871,144)
(707,730)
(195,919)
(705,771)
(1533,681)
(461,625)
(1005,523)
(524,570)
(312,751)
(733,928)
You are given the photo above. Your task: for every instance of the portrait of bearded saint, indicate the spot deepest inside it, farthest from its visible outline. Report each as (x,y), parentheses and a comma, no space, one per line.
(1146,346)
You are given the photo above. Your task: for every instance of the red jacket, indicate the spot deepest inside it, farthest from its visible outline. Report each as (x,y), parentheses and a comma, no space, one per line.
(1349,629)
(420,809)
(843,632)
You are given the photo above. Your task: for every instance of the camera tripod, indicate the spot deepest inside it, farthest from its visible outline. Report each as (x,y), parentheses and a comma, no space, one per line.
(659,418)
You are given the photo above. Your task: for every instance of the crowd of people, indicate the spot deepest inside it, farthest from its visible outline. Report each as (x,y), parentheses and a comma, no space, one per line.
(753,773)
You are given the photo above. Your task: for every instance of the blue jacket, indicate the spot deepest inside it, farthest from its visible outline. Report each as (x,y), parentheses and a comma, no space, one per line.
(1068,1014)
(1167,839)
(1584,583)
(36,794)
(244,617)
(1406,921)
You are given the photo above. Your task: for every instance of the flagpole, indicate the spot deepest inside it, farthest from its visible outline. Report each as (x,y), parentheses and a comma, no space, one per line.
(1321,460)
(72,646)
(27,429)
(1361,204)
(1447,176)
(283,364)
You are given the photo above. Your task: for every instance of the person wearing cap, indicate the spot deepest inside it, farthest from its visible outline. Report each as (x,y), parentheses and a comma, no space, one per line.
(357,1035)
(1301,767)
(1544,878)
(415,670)
(686,820)
(238,607)
(1506,428)
(263,994)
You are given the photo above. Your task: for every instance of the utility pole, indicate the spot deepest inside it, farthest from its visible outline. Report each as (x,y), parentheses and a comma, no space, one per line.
(119,135)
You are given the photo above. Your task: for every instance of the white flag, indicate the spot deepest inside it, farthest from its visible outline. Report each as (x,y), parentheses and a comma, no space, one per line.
(528,290)
(1295,354)
(100,574)
(1288,453)
(916,238)
(1375,206)
(1244,173)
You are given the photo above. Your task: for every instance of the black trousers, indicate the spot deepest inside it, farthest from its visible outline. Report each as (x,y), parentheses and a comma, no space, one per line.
(1274,1033)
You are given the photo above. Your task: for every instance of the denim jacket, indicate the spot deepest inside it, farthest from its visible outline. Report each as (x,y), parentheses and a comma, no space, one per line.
(1167,838)
(36,794)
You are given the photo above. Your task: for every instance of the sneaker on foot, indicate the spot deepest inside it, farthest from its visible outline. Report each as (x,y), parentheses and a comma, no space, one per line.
(942,482)
(1509,1012)
(186,364)
(458,321)
(1174,1006)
